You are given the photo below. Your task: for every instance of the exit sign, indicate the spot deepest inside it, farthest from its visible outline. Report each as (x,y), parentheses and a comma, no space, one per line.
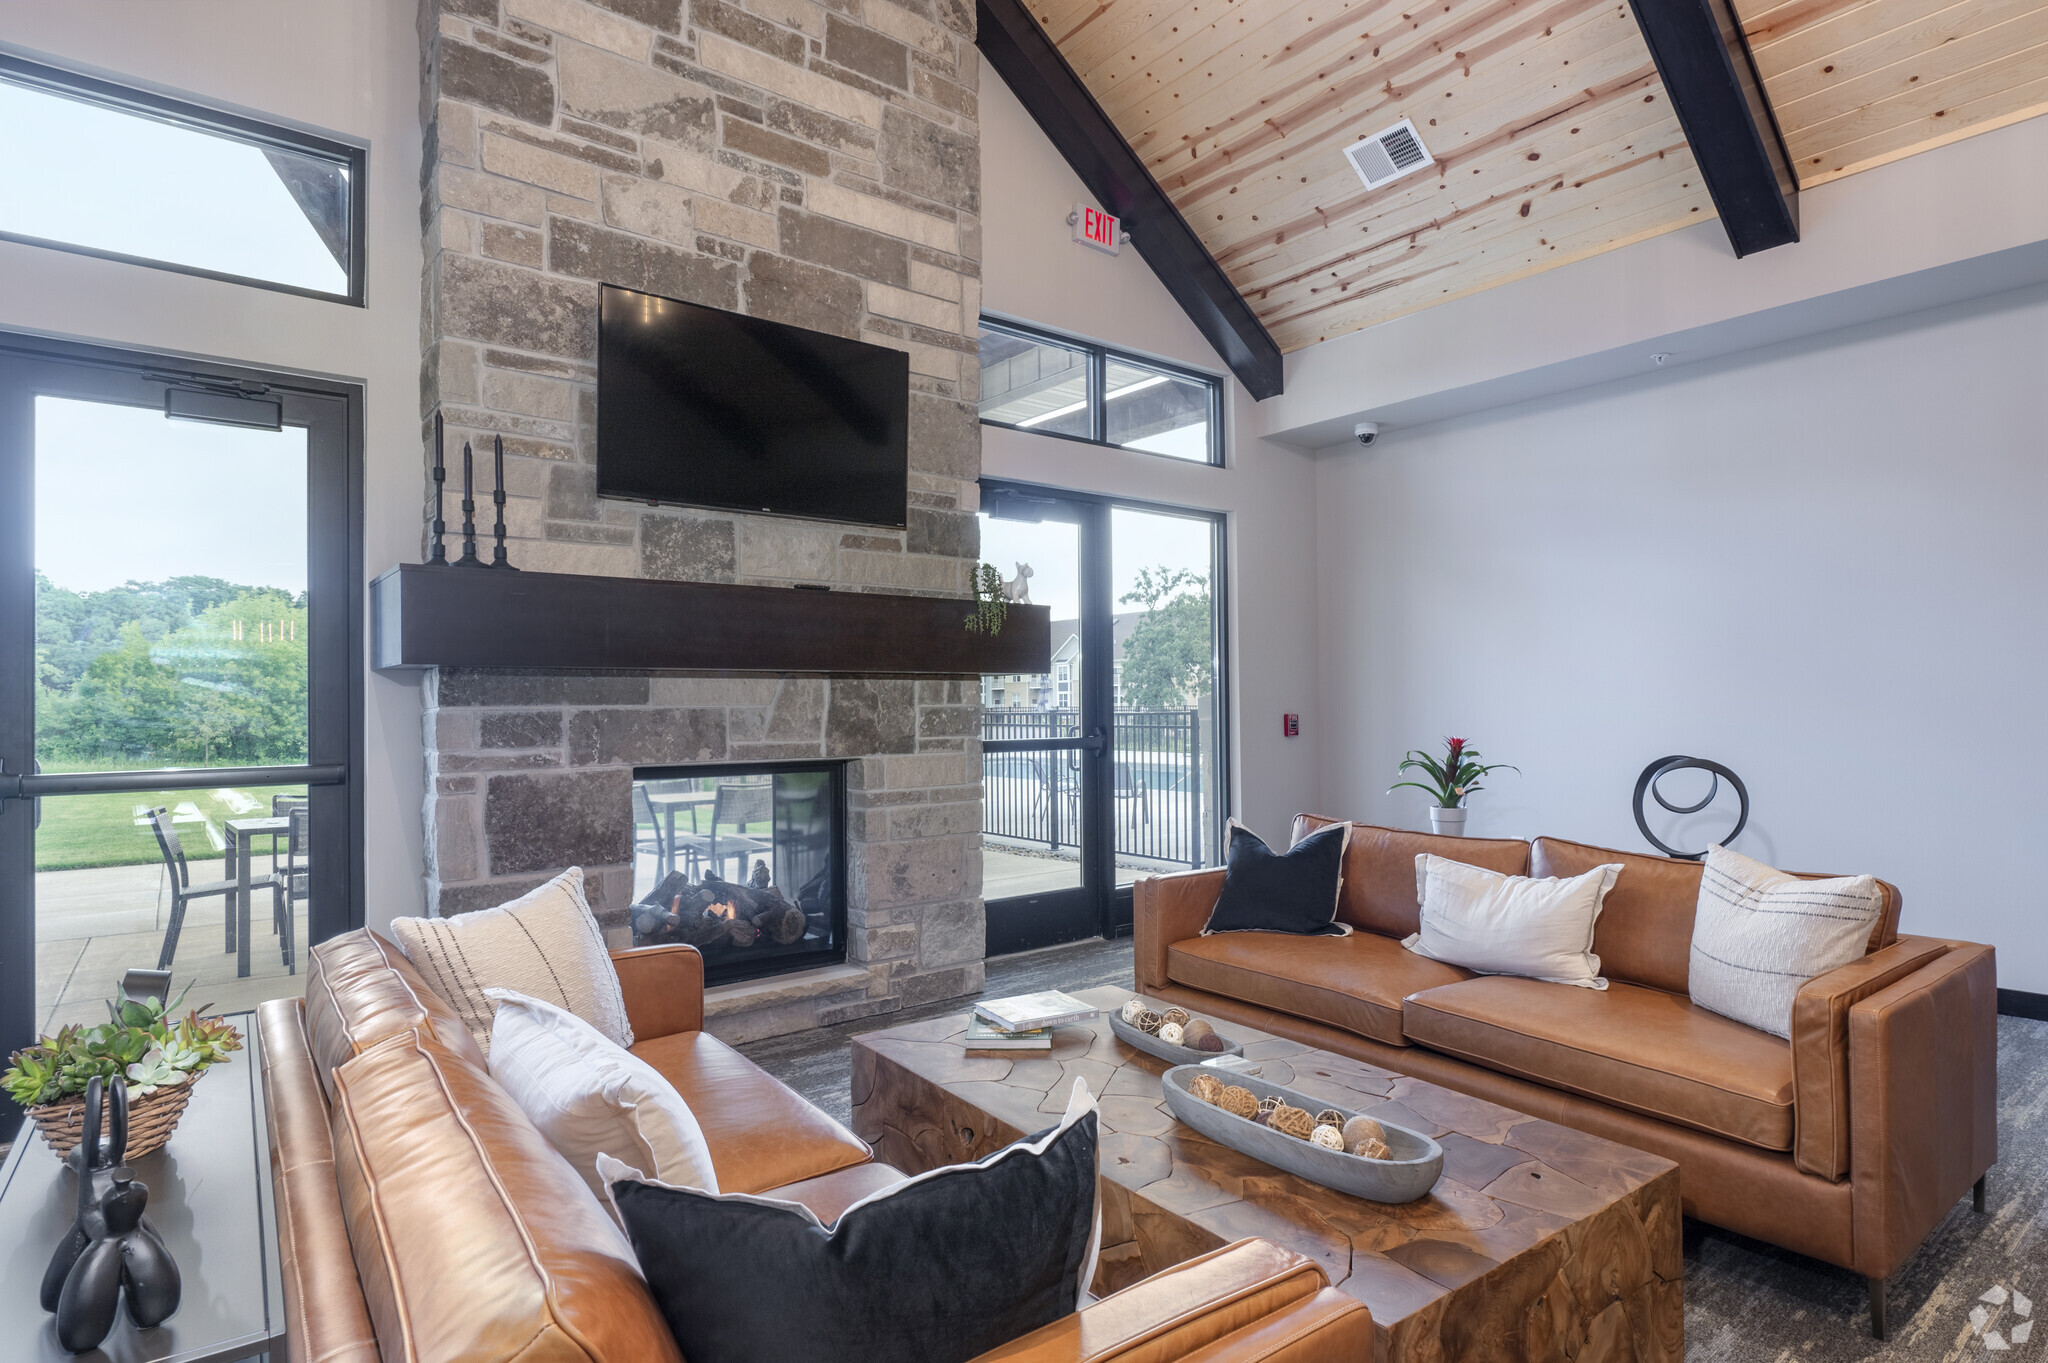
(1093,227)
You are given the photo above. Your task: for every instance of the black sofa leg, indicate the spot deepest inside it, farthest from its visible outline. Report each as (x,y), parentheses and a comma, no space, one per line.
(1878,1324)
(1977,1195)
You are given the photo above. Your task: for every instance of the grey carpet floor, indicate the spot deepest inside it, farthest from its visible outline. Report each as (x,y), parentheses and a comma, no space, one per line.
(1745,1302)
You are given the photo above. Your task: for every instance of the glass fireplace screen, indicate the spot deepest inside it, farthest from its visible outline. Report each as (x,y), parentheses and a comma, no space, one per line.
(746,865)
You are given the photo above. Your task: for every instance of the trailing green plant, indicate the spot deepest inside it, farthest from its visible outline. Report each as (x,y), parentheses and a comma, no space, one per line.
(141,1043)
(991,608)
(1451,779)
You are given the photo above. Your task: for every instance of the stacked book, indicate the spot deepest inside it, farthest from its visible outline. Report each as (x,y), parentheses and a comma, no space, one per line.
(1002,1027)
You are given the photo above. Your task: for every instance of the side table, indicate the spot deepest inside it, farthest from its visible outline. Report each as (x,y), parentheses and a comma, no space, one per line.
(210,1200)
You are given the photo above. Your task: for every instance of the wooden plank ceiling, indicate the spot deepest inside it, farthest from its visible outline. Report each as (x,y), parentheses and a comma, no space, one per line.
(1553,137)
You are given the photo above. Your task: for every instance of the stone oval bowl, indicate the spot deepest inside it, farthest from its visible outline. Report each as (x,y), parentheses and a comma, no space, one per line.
(1166,1050)
(1410,1174)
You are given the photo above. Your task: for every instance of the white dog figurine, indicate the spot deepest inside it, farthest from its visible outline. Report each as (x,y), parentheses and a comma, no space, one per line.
(1018,588)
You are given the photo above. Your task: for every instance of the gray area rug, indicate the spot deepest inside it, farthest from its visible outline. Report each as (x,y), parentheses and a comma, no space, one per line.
(1972,1292)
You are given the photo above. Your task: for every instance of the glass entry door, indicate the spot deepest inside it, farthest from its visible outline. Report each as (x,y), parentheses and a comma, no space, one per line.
(1108,766)
(177,684)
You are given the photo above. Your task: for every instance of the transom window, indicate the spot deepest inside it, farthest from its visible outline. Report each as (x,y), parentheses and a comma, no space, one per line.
(104,170)
(1037,381)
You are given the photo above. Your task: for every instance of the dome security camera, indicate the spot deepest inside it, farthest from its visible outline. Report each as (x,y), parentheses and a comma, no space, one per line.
(1367,432)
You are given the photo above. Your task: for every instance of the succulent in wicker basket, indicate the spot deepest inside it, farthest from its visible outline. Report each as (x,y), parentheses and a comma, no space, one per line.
(158,1056)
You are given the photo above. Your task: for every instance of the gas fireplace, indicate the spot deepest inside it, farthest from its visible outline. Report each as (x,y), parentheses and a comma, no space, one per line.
(745,863)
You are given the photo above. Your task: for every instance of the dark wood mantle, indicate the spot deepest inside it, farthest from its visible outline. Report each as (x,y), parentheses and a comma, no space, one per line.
(460,617)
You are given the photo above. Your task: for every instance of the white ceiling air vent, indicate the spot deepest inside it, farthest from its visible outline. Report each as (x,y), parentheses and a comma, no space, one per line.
(1389,154)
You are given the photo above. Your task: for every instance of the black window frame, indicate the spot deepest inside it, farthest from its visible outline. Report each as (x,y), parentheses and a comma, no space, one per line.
(167,109)
(1099,357)
(336,716)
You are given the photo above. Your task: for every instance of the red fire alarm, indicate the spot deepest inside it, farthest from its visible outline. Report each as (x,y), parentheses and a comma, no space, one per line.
(1290,726)
(1093,227)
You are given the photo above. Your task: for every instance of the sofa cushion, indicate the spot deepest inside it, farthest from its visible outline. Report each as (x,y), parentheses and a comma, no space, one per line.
(1511,925)
(361,990)
(1294,891)
(760,1133)
(1759,935)
(1644,935)
(472,1238)
(1354,982)
(1640,1049)
(1379,870)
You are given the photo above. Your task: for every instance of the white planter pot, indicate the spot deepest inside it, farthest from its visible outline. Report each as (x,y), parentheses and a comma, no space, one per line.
(1448,823)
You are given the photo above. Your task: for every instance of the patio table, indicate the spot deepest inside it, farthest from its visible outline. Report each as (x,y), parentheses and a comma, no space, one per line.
(666,802)
(239,834)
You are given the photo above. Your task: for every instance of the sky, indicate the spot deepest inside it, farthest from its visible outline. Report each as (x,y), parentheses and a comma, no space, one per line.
(92,176)
(1138,539)
(124,492)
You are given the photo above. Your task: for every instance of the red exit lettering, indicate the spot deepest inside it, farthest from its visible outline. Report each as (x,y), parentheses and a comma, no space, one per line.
(1093,227)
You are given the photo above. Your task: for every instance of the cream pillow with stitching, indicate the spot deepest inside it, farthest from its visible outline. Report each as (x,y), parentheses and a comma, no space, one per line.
(1511,925)
(544,944)
(590,1097)
(1760,934)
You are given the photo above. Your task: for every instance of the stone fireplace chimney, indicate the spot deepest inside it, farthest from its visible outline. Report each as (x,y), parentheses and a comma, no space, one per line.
(786,161)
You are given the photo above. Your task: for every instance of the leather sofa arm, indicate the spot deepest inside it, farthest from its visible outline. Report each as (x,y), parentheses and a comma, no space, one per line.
(664,989)
(1923,1101)
(1820,1050)
(1165,910)
(1249,1300)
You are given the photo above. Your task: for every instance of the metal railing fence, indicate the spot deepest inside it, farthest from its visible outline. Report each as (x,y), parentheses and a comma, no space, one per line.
(1034,798)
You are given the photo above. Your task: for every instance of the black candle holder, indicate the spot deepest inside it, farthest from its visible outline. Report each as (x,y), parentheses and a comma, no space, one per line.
(469,558)
(498,559)
(437,544)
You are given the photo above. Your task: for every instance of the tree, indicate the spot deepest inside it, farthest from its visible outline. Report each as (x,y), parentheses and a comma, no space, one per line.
(1169,656)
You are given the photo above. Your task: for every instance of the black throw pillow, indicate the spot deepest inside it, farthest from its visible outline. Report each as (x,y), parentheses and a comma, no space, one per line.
(1293,891)
(939,1268)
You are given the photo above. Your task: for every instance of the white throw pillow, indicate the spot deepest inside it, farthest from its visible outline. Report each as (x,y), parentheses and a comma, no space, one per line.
(1759,934)
(544,944)
(590,1097)
(1511,925)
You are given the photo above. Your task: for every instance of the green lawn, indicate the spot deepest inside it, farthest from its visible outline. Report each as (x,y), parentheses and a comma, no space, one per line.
(100,830)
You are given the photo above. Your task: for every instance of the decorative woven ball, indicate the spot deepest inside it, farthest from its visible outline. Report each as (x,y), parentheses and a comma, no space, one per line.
(1330,1116)
(1170,1033)
(1211,1042)
(1133,1010)
(1195,1029)
(1328,1137)
(1150,1022)
(1372,1149)
(1294,1121)
(1206,1087)
(1266,1105)
(1238,1101)
(1362,1128)
(1179,1015)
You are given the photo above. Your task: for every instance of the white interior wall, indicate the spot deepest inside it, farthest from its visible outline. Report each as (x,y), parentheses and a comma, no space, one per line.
(1033,271)
(1819,563)
(348,70)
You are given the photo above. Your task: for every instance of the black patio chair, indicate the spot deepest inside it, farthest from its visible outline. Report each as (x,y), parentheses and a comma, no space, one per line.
(179,876)
(652,837)
(734,806)
(292,885)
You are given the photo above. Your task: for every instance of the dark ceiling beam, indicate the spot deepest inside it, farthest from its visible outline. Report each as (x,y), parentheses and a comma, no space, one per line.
(1024,56)
(1704,58)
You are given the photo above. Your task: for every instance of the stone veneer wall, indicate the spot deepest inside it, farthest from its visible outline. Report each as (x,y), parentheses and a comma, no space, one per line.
(814,163)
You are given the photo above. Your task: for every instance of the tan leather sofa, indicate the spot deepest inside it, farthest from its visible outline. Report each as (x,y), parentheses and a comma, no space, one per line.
(422,1218)
(1847,1143)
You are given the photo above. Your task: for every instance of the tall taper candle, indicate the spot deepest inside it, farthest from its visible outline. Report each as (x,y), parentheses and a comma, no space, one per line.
(437,545)
(498,559)
(469,558)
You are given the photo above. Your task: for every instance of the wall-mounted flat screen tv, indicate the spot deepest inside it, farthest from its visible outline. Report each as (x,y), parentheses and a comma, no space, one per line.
(701,407)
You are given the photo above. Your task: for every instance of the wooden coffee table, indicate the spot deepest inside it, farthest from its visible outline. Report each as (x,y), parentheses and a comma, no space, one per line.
(1539,1242)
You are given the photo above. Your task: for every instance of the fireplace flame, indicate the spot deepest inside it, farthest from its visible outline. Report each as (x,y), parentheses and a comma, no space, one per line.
(722,910)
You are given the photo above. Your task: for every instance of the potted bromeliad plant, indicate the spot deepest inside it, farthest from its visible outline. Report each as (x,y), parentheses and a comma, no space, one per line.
(1449,780)
(161,1058)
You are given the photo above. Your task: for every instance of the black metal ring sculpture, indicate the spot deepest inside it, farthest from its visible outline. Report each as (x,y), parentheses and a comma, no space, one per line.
(1663,767)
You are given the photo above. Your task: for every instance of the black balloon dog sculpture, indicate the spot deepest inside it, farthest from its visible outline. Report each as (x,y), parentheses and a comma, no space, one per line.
(111,1246)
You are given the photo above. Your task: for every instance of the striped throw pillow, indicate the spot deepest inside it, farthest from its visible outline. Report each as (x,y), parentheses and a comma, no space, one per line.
(544,944)
(1760,934)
